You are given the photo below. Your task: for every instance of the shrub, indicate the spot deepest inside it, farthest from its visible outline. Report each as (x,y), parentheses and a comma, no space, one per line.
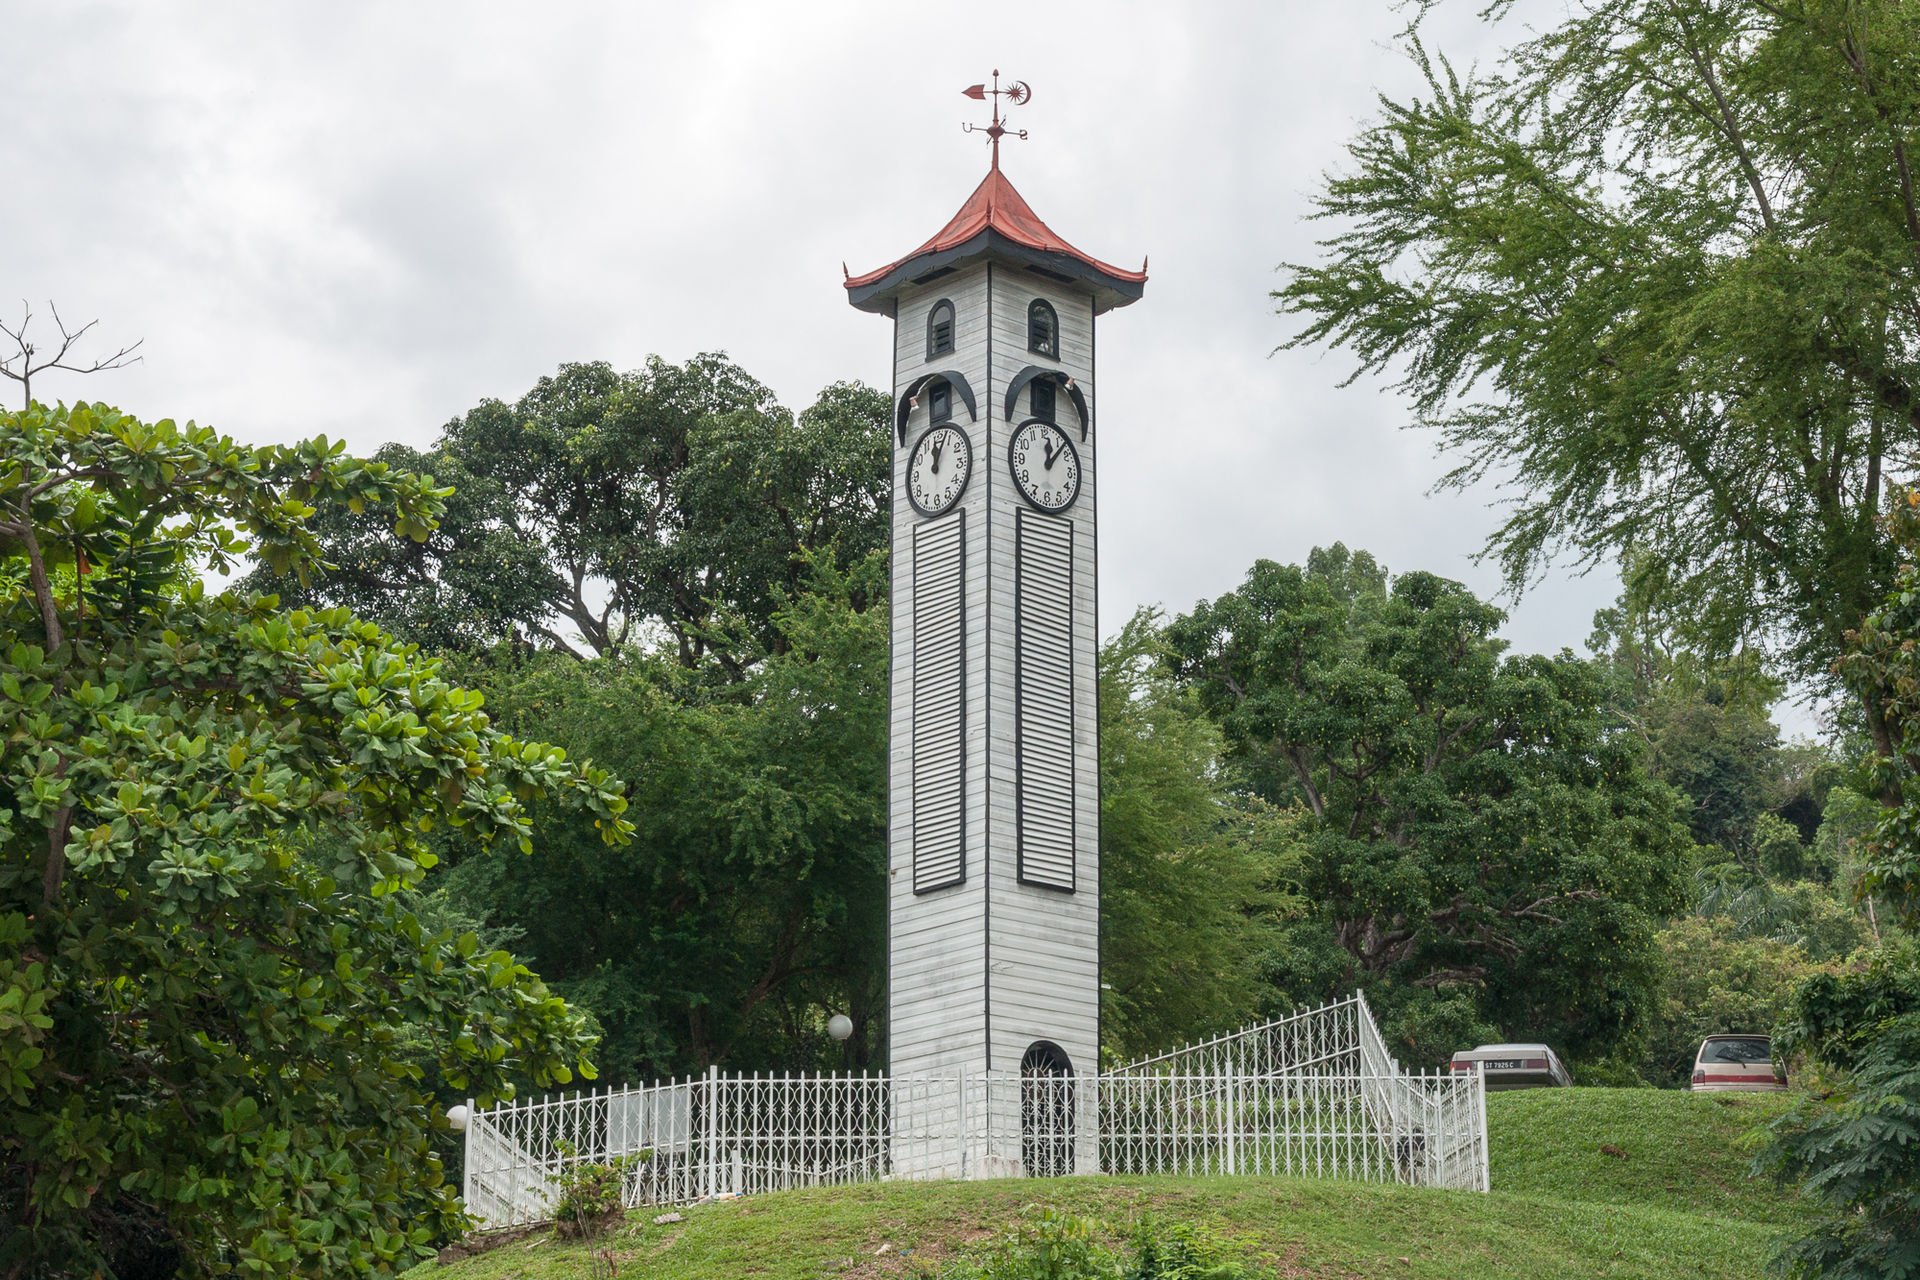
(589,1198)
(1049,1246)
(1183,1251)
(1055,1246)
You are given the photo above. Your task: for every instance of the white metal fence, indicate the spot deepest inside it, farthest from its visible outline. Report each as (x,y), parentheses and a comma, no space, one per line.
(1313,1095)
(1328,1040)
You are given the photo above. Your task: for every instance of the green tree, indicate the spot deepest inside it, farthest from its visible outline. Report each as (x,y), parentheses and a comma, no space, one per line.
(753,903)
(1857,1150)
(1722,758)
(1661,269)
(1844,841)
(603,508)
(1801,913)
(1709,735)
(1883,667)
(1486,849)
(1716,981)
(221,1022)
(1189,871)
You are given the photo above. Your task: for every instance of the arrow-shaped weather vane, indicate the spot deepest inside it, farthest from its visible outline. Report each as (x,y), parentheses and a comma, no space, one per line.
(1015,94)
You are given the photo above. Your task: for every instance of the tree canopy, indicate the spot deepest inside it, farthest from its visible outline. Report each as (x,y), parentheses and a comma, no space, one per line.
(1659,270)
(1856,1148)
(1192,870)
(752,903)
(1486,852)
(222,1023)
(605,508)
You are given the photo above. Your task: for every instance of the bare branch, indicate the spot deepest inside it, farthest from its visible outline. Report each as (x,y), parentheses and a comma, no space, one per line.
(22,364)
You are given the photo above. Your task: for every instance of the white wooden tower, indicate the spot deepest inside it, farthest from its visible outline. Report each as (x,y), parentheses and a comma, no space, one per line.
(994,939)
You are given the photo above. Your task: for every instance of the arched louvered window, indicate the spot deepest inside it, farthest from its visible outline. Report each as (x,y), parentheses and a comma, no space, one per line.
(1043,329)
(940,329)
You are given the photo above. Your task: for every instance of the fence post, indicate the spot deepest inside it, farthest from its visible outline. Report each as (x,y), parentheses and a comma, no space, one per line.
(1432,1174)
(1483,1157)
(1406,1123)
(466,1156)
(962,1133)
(710,1133)
(1232,1109)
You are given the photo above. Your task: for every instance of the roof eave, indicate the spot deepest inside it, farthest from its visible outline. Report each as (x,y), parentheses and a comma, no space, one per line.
(881,294)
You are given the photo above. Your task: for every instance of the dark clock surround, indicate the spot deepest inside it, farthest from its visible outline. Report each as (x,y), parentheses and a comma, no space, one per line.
(903,409)
(1034,372)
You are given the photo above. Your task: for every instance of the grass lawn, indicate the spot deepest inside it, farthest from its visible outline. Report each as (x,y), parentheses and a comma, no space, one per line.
(1672,1203)
(1660,1147)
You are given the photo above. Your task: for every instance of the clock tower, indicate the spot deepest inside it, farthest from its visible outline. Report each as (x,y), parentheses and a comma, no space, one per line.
(993,843)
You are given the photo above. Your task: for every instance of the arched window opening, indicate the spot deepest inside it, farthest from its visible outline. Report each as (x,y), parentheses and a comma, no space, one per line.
(1043,329)
(1042,399)
(940,329)
(1046,1110)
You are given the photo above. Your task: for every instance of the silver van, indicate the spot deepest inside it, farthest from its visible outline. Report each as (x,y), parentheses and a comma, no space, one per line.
(1737,1064)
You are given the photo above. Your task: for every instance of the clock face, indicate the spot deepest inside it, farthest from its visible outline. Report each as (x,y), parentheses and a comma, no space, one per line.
(938,471)
(1045,467)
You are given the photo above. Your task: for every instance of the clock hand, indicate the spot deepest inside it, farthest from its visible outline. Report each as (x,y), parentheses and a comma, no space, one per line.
(937,447)
(1053,451)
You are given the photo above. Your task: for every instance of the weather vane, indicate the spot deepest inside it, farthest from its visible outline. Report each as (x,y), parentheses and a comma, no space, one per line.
(1015,94)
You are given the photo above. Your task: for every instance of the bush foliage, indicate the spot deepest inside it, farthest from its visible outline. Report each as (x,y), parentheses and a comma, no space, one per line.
(222,1024)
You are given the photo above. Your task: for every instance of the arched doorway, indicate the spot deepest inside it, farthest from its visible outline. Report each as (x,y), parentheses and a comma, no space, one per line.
(1046,1110)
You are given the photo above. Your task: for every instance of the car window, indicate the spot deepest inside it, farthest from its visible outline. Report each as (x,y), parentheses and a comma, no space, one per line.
(1745,1052)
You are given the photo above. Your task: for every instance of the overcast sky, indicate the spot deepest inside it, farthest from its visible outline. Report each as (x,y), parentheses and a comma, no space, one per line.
(362,219)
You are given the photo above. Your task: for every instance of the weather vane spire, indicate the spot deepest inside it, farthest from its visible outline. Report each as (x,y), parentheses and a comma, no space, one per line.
(1015,94)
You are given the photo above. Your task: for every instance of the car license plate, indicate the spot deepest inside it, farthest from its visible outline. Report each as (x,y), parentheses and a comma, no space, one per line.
(1502,1064)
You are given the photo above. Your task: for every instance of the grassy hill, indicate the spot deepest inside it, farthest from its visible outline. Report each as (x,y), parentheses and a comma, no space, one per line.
(1658,1147)
(1587,1182)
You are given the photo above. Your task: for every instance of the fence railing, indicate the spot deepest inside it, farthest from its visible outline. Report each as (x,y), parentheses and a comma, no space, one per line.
(1325,1040)
(1317,1095)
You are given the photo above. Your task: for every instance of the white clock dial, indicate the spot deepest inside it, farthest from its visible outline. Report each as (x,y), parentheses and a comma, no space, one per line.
(1045,466)
(938,471)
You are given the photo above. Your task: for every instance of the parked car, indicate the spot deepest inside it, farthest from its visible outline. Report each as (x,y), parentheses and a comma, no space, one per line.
(1737,1062)
(1515,1066)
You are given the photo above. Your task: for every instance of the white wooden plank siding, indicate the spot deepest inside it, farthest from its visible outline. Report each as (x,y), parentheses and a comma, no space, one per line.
(1044,975)
(1000,957)
(937,970)
(1043,697)
(939,703)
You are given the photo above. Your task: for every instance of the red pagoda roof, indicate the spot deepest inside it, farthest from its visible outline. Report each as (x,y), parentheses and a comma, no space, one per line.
(996,209)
